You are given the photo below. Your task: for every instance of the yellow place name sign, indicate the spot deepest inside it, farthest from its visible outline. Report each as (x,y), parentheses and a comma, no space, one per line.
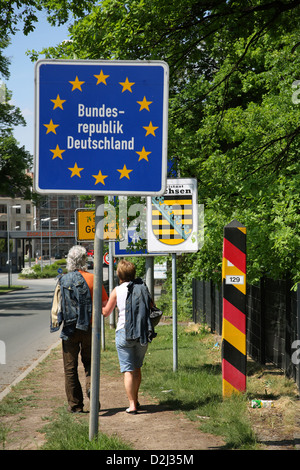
(85,226)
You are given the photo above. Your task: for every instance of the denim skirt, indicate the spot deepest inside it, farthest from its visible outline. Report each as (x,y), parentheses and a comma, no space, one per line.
(131,353)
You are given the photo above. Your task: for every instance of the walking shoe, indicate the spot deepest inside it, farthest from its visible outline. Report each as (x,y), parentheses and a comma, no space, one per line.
(89,394)
(75,410)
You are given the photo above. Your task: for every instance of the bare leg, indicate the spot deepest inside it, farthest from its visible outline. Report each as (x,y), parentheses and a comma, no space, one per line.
(132,381)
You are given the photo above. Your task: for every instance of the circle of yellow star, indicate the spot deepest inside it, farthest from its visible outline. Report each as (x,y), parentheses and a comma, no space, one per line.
(51,127)
(150,129)
(127,85)
(124,172)
(143,154)
(58,102)
(101,78)
(75,171)
(100,178)
(144,104)
(76,84)
(57,152)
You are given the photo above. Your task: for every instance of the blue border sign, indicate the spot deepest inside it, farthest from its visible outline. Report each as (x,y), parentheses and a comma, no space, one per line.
(101,127)
(124,248)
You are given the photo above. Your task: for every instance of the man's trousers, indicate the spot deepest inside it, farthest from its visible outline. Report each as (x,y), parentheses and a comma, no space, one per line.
(79,342)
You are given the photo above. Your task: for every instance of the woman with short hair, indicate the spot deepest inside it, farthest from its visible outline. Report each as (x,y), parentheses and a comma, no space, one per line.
(133,330)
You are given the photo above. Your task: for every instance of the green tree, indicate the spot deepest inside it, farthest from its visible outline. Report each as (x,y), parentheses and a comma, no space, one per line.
(14,159)
(232,121)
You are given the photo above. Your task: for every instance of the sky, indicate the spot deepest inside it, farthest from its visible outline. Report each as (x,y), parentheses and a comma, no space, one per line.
(21,81)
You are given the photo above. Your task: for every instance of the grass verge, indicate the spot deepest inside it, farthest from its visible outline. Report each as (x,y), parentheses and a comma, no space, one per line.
(70,432)
(6,289)
(195,389)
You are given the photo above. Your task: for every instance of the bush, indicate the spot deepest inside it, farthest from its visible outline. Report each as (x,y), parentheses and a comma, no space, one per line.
(49,270)
(184,304)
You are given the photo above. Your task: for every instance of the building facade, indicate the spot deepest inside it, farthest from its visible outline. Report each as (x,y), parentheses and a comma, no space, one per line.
(56,213)
(46,229)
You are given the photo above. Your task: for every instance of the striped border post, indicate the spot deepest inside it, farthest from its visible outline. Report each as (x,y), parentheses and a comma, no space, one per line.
(234,355)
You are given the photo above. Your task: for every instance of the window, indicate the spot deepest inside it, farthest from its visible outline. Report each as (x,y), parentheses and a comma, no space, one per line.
(3,209)
(28,208)
(45,202)
(73,202)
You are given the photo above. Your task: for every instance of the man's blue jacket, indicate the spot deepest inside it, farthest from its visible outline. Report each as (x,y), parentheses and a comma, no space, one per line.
(73,306)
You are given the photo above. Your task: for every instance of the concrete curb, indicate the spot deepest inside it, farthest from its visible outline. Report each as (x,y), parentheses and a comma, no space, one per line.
(29,369)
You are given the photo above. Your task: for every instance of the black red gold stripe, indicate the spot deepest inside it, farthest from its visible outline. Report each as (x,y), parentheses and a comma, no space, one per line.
(234,309)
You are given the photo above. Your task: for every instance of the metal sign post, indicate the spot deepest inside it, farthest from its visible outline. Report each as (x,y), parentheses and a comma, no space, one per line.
(111,245)
(111,279)
(97,315)
(174,309)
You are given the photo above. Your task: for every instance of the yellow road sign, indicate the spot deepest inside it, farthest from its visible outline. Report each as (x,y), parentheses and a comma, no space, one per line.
(85,226)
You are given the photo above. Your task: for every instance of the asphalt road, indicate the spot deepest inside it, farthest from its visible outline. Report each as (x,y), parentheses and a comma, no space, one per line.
(24,326)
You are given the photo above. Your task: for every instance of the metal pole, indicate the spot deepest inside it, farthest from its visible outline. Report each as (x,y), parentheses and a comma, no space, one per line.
(50,252)
(97,311)
(50,240)
(102,332)
(41,246)
(174,305)
(112,322)
(8,249)
(150,275)
(42,220)
(111,280)
(298,333)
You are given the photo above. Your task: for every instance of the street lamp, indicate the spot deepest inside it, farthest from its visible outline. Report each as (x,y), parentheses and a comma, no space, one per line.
(53,220)
(17,206)
(42,220)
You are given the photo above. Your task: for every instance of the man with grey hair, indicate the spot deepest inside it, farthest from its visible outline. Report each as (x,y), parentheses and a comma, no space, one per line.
(72,307)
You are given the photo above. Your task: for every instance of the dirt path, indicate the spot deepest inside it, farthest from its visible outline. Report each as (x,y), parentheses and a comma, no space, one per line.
(153,428)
